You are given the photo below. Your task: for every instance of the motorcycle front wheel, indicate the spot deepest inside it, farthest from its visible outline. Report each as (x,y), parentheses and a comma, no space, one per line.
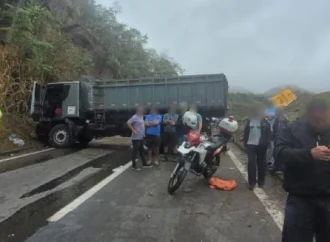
(176,178)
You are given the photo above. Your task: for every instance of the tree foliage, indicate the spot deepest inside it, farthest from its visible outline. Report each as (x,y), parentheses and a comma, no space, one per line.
(125,52)
(50,54)
(40,50)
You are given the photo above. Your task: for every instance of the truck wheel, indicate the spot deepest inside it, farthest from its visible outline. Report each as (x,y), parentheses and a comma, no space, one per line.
(60,137)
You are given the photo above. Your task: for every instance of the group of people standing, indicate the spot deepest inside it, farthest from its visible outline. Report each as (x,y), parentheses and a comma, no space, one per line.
(302,148)
(148,128)
(260,133)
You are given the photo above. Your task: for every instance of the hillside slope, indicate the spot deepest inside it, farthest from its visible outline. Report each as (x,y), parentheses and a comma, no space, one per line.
(296,109)
(54,40)
(241,104)
(297,89)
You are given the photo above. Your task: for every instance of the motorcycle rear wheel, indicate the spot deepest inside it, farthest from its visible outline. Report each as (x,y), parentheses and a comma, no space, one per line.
(176,180)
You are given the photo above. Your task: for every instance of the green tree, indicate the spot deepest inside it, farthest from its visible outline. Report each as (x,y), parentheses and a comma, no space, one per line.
(41,49)
(125,52)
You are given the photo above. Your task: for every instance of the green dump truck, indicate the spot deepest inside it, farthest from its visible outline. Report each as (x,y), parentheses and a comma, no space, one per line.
(88,108)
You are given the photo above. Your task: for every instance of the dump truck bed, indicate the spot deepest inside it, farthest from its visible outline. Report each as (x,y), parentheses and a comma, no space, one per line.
(206,91)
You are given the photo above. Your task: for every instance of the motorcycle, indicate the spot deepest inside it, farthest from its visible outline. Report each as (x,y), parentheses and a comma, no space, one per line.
(200,155)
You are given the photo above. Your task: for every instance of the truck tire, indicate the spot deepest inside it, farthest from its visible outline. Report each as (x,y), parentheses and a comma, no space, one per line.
(60,136)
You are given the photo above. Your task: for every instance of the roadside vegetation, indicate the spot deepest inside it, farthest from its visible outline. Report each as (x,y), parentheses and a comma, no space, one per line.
(43,43)
(241,104)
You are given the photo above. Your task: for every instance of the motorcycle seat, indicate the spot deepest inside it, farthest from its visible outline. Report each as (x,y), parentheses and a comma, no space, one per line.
(215,146)
(218,141)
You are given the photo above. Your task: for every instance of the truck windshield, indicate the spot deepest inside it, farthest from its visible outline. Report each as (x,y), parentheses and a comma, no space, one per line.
(57,92)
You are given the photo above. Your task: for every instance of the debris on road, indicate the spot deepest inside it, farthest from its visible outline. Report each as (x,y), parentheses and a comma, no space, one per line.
(226,185)
(19,142)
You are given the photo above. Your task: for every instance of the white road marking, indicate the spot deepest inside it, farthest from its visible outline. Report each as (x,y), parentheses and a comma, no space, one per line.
(270,205)
(27,154)
(82,198)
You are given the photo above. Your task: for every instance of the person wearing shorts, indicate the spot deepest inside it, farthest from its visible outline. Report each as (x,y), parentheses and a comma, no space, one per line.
(152,123)
(169,136)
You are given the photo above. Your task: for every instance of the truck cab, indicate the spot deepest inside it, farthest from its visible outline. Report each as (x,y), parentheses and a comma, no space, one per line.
(62,114)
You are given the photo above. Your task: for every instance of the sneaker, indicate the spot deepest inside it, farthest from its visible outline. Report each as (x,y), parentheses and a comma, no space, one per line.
(156,163)
(136,168)
(251,187)
(165,158)
(147,165)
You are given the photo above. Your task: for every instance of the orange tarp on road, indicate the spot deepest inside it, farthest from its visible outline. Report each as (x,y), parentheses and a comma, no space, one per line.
(217,183)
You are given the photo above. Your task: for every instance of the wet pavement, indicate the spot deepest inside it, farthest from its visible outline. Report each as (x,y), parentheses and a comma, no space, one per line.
(135,206)
(31,194)
(23,186)
(21,160)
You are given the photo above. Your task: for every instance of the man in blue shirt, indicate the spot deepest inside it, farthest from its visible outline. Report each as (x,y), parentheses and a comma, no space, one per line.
(152,123)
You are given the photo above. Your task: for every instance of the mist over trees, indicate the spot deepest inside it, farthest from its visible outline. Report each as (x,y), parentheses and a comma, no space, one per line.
(54,40)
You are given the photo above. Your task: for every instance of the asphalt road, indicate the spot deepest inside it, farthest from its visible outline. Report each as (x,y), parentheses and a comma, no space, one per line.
(135,207)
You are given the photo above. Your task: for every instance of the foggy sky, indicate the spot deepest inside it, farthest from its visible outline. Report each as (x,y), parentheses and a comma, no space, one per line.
(257,44)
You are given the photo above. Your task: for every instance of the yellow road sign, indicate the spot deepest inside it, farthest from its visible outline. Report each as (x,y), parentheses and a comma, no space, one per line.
(284,97)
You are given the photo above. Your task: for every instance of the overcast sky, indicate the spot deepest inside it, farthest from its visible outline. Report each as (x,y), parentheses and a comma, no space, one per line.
(257,44)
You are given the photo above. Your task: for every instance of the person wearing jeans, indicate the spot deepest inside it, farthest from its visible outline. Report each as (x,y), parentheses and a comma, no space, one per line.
(136,125)
(303,147)
(180,128)
(257,135)
(170,120)
(281,122)
(270,113)
(152,122)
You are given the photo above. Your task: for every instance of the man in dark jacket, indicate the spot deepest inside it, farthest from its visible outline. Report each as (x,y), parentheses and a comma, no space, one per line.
(281,122)
(257,135)
(181,130)
(303,147)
